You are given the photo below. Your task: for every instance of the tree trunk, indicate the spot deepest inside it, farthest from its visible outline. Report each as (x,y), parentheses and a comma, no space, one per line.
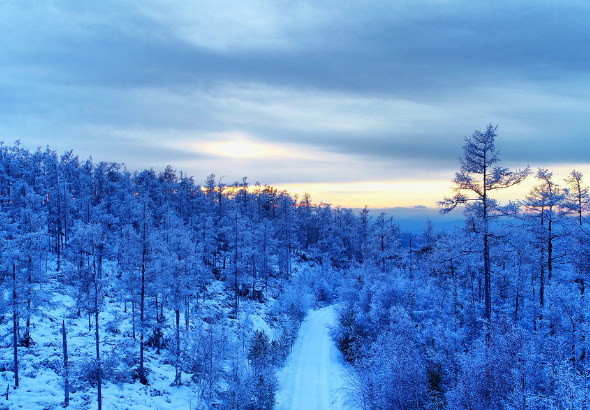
(66,367)
(455,321)
(15,325)
(27,338)
(65,225)
(157,328)
(187,312)
(486,259)
(253,277)
(264,265)
(100,249)
(542,288)
(237,296)
(97,336)
(142,378)
(133,318)
(58,230)
(211,352)
(518,280)
(549,250)
(177,377)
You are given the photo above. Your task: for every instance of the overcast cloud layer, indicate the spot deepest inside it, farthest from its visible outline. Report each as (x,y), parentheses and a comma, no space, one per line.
(297,92)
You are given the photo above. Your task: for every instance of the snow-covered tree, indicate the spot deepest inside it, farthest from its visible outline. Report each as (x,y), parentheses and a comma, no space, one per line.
(478,178)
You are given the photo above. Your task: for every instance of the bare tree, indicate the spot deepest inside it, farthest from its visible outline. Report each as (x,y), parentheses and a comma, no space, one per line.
(66,365)
(542,204)
(578,196)
(478,177)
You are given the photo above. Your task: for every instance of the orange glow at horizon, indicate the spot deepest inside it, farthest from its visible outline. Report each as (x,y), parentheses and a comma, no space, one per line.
(409,193)
(232,146)
(375,194)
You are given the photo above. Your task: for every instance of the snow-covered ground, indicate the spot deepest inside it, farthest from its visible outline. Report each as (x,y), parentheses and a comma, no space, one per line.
(314,376)
(41,380)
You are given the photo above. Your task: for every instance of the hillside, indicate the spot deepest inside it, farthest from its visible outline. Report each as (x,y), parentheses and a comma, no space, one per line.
(179,295)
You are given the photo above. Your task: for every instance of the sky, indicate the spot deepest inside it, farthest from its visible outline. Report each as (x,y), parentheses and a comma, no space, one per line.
(357,103)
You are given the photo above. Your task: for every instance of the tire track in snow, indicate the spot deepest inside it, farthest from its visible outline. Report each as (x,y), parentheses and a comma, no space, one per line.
(314,377)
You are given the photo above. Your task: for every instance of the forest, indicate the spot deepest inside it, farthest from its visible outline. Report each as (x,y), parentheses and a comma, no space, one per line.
(148,287)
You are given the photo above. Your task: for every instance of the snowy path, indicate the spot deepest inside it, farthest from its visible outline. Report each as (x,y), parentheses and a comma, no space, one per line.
(314,376)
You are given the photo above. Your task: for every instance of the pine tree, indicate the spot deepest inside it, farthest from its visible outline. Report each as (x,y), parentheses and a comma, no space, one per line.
(543,205)
(578,196)
(479,177)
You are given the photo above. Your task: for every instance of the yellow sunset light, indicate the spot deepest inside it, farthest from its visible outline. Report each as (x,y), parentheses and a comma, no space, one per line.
(236,145)
(376,194)
(236,148)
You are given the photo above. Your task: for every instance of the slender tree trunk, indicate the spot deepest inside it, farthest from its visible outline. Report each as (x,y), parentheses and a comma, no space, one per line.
(486,262)
(542,288)
(411,258)
(142,378)
(518,280)
(264,265)
(455,321)
(220,200)
(133,318)
(549,250)
(15,325)
(253,277)
(98,361)
(157,328)
(382,248)
(177,378)
(66,366)
(97,336)
(237,296)
(582,321)
(65,195)
(534,315)
(58,230)
(100,249)
(187,312)
(211,347)
(27,338)
(486,244)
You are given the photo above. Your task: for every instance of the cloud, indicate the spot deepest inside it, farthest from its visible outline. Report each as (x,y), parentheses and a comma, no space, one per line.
(423,48)
(332,131)
(406,130)
(335,91)
(252,25)
(238,145)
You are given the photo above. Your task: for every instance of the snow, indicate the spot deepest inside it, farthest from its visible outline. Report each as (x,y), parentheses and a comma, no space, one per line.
(253,319)
(314,376)
(41,382)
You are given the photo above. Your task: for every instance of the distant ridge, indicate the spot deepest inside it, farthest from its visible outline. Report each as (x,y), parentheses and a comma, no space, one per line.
(414,219)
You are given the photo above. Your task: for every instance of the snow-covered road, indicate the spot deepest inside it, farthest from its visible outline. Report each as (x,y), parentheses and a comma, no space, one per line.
(314,376)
